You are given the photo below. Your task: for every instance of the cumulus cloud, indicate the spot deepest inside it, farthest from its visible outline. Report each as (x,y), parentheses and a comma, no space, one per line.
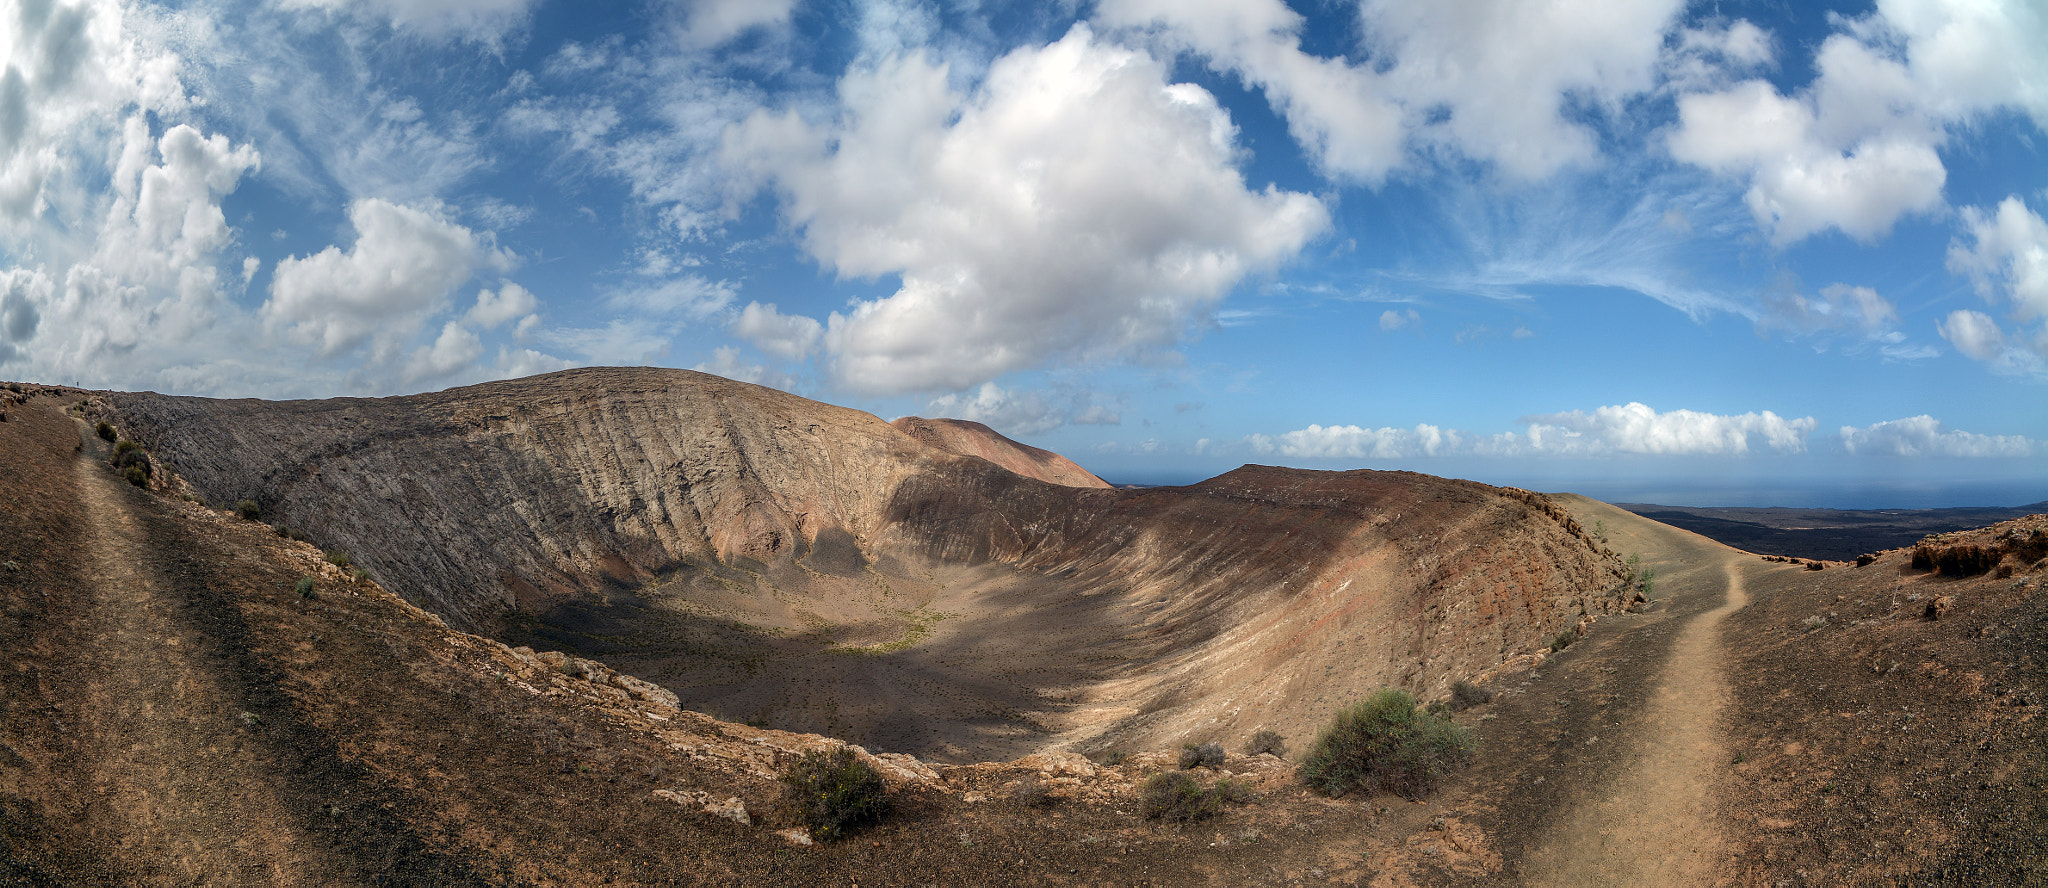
(1926,436)
(1973,333)
(1856,150)
(2007,261)
(401,269)
(1022,413)
(1395,320)
(1492,80)
(787,336)
(496,308)
(1636,428)
(1354,442)
(1074,205)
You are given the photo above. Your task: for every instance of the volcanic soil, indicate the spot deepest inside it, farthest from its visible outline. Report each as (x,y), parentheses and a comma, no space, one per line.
(176,712)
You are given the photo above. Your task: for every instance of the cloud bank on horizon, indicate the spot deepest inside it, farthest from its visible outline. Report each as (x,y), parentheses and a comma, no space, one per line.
(1162,236)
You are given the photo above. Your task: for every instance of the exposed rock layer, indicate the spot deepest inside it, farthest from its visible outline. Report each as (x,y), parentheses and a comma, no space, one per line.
(815,568)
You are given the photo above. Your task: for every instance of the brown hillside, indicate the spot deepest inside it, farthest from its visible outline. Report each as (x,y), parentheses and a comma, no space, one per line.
(173,711)
(969,438)
(808,567)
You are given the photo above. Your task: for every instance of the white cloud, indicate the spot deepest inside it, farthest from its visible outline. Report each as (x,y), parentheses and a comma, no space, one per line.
(1636,428)
(1395,320)
(508,303)
(1353,442)
(1492,80)
(482,20)
(1076,206)
(456,349)
(787,336)
(1856,150)
(711,22)
(1020,413)
(1973,333)
(725,361)
(2007,261)
(401,269)
(690,295)
(1926,436)
(1339,113)
(1799,183)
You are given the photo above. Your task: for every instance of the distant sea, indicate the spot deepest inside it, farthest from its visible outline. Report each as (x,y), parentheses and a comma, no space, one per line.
(1824,495)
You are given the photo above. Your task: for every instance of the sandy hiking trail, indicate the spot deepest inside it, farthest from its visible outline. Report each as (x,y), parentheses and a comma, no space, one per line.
(1654,823)
(179,779)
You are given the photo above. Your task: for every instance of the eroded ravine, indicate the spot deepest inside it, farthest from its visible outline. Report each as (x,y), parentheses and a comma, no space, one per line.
(1654,824)
(179,776)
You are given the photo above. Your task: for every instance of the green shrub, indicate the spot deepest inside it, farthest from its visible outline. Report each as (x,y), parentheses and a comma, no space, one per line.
(1382,742)
(338,558)
(105,431)
(304,587)
(133,463)
(835,792)
(1206,755)
(1266,741)
(248,510)
(1173,795)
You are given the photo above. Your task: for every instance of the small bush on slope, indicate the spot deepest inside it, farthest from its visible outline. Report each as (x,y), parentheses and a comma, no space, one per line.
(1383,743)
(834,793)
(1266,741)
(1207,755)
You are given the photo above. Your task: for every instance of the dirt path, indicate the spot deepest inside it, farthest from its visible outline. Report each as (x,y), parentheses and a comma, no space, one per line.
(1653,825)
(181,780)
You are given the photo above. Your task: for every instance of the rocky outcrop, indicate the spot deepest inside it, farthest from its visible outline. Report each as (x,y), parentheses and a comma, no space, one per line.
(771,558)
(969,438)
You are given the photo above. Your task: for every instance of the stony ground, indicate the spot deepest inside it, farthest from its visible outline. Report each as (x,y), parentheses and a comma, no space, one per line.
(176,713)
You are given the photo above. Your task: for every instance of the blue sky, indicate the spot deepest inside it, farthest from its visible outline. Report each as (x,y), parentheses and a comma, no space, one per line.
(1707,253)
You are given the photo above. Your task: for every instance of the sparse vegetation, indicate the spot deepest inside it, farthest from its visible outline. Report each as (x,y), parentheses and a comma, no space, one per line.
(133,463)
(338,558)
(1266,741)
(1381,742)
(1641,577)
(249,510)
(1600,531)
(1465,695)
(304,587)
(1564,639)
(1206,755)
(834,793)
(1032,792)
(1179,797)
(1813,622)
(105,431)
